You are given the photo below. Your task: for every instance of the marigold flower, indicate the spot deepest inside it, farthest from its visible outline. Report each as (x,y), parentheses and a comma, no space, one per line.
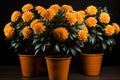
(9,31)
(91,22)
(27,16)
(84,28)
(79,17)
(26,32)
(27,7)
(15,16)
(55,7)
(38,28)
(71,18)
(116,27)
(67,8)
(32,24)
(82,35)
(60,33)
(109,30)
(40,9)
(48,14)
(104,17)
(91,10)
(82,12)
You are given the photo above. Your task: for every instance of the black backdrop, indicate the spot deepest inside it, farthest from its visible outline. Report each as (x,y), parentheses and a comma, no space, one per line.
(8,57)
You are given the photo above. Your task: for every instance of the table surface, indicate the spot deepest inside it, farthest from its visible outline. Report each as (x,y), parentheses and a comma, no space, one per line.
(14,73)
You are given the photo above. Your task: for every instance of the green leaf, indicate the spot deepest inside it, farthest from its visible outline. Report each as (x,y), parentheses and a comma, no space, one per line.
(64,49)
(57,47)
(99,37)
(99,33)
(77,49)
(93,40)
(68,51)
(105,9)
(79,44)
(35,41)
(37,46)
(42,39)
(13,44)
(104,46)
(71,37)
(73,51)
(16,46)
(36,51)
(43,47)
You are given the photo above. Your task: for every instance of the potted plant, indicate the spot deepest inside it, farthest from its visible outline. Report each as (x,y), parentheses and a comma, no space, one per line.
(20,32)
(101,33)
(61,39)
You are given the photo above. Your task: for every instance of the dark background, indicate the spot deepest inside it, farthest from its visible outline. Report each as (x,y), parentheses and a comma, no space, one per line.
(8,57)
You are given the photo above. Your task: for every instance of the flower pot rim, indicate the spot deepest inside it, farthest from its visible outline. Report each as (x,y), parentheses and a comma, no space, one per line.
(27,55)
(87,54)
(57,58)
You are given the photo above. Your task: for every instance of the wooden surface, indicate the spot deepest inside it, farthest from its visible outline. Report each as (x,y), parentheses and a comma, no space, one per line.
(14,73)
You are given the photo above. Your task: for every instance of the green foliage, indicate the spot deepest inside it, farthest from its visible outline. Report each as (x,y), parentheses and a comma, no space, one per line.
(97,40)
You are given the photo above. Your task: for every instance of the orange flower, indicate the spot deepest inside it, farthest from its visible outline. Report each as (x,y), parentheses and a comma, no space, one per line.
(82,13)
(26,32)
(85,28)
(32,24)
(91,22)
(48,14)
(116,27)
(82,35)
(79,17)
(104,17)
(60,33)
(55,7)
(27,16)
(71,18)
(9,31)
(91,10)
(27,7)
(15,16)
(40,9)
(67,7)
(109,30)
(38,28)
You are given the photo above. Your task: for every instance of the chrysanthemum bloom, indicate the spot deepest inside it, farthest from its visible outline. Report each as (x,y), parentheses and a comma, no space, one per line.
(82,12)
(79,17)
(109,30)
(38,28)
(116,27)
(91,10)
(32,24)
(27,7)
(104,17)
(91,22)
(55,7)
(9,31)
(71,18)
(40,9)
(60,33)
(15,16)
(66,7)
(27,16)
(26,32)
(82,35)
(48,14)
(84,28)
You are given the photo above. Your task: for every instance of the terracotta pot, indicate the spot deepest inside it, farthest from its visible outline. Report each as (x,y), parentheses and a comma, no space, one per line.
(91,63)
(30,65)
(58,68)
